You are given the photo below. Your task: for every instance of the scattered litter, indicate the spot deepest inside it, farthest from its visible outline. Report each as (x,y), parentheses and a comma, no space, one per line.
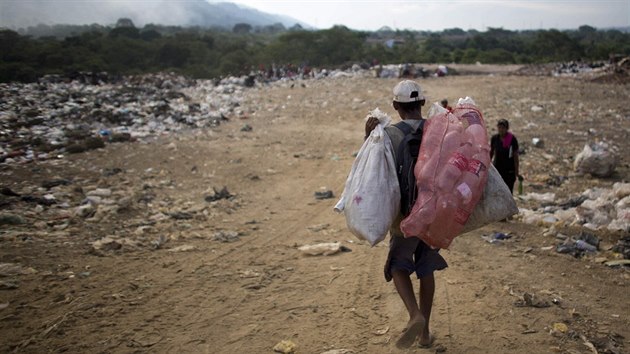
(325,249)
(324,195)
(248,273)
(182,248)
(222,194)
(595,209)
(12,269)
(226,236)
(584,242)
(99,192)
(181,215)
(623,247)
(597,159)
(559,327)
(537,142)
(496,237)
(318,228)
(285,347)
(380,332)
(157,244)
(540,197)
(107,244)
(618,262)
(531,300)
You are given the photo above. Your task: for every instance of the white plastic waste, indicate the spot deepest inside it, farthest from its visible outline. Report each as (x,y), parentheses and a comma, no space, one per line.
(597,159)
(371,197)
(325,248)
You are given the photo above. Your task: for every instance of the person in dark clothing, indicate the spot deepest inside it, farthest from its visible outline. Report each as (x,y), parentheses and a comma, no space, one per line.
(504,153)
(444,103)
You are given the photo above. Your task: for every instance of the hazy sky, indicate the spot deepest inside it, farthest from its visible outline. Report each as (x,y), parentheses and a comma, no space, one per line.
(437,15)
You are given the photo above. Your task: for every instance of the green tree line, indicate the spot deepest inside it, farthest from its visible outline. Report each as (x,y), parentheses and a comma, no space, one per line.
(211,53)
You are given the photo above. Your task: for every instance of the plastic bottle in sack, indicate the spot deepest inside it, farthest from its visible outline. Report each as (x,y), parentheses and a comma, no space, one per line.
(434,131)
(473,121)
(421,216)
(445,227)
(438,229)
(470,184)
(478,134)
(451,172)
(471,116)
(426,169)
(428,158)
(452,141)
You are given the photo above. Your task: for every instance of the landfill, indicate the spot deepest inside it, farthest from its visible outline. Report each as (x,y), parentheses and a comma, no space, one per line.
(48,119)
(183,214)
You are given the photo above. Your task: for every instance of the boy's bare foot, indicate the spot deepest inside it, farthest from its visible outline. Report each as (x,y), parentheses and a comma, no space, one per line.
(410,333)
(426,340)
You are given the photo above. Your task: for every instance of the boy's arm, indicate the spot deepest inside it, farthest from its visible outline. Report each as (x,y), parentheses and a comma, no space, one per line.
(370,124)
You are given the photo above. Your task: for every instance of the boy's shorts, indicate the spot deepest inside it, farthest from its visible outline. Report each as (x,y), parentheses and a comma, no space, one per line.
(411,255)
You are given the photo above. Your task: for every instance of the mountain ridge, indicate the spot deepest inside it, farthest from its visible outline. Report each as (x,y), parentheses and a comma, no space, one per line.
(22,14)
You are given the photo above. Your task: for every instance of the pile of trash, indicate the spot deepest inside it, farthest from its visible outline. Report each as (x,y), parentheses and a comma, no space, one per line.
(599,71)
(535,70)
(59,115)
(52,117)
(573,68)
(595,209)
(616,72)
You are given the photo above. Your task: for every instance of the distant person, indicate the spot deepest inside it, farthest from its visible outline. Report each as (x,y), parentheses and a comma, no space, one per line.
(444,103)
(410,255)
(441,71)
(504,152)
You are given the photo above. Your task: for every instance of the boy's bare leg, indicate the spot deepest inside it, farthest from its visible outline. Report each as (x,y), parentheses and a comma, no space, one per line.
(427,289)
(416,320)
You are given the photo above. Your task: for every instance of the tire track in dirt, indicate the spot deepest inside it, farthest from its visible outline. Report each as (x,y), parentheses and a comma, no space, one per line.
(263,242)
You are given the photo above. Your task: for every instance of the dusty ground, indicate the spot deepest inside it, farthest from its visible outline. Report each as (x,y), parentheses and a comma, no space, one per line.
(246,296)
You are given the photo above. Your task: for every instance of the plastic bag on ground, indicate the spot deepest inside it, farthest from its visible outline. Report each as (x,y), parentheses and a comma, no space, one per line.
(451,173)
(596,159)
(371,197)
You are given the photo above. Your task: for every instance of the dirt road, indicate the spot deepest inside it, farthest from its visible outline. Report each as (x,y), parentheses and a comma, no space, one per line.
(169,284)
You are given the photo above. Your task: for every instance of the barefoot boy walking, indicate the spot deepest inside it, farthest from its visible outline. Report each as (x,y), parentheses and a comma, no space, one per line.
(410,255)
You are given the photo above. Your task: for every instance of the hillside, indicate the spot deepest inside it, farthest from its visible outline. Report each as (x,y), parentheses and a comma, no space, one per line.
(21,14)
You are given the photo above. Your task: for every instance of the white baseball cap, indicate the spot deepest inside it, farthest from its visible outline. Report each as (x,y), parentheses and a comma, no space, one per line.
(408,91)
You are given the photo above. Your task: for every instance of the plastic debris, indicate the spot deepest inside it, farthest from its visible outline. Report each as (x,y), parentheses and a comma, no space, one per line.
(285,347)
(326,249)
(597,159)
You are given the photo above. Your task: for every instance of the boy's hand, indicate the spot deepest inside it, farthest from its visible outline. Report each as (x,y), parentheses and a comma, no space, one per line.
(370,124)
